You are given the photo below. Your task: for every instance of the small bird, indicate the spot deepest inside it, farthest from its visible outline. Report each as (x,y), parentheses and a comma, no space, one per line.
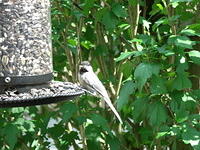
(88,79)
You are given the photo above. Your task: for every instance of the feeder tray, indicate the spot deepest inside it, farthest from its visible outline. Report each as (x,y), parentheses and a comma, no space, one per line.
(51,92)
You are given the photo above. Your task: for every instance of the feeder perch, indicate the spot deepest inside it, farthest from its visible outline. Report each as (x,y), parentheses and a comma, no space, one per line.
(26,56)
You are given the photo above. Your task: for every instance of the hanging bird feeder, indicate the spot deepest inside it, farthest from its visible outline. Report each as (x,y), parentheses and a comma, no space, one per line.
(26,56)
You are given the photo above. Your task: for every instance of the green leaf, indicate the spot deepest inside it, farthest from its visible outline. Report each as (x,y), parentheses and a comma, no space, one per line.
(175,103)
(155,68)
(195,27)
(146,134)
(195,94)
(68,109)
(11,132)
(113,143)
(160,7)
(124,26)
(144,71)
(181,115)
(109,20)
(99,14)
(182,67)
(189,32)
(92,132)
(101,50)
(175,130)
(165,51)
(88,5)
(81,119)
(140,107)
(127,69)
(18,110)
(127,89)
(161,134)
(181,41)
(191,136)
(158,85)
(118,10)
(161,21)
(157,113)
(181,82)
(87,44)
(195,56)
(70,137)
(125,55)
(56,131)
(93,145)
(146,39)
(99,120)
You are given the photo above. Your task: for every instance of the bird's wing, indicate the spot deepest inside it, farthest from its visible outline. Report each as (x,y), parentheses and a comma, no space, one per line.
(93,83)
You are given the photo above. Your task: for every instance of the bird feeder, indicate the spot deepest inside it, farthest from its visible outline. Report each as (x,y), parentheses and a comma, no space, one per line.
(26,56)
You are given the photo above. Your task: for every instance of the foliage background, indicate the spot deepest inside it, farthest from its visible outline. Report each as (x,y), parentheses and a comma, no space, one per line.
(147,55)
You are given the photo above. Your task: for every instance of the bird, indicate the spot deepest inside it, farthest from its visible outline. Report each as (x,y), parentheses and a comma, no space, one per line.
(89,80)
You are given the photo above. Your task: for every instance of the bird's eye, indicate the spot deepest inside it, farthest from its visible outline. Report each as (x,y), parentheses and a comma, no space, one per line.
(83,70)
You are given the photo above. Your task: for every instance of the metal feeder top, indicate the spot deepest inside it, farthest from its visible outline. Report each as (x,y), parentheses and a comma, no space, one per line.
(26,56)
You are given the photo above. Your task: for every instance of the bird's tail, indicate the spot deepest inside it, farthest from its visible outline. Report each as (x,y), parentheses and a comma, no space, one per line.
(108,101)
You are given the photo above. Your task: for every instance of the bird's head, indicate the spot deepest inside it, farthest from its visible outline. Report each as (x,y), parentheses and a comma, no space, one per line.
(85,67)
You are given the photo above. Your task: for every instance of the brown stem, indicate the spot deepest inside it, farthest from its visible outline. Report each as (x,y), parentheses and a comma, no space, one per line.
(78,57)
(134,13)
(170,12)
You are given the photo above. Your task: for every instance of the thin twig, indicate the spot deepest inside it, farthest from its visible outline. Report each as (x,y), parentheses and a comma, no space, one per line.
(119,83)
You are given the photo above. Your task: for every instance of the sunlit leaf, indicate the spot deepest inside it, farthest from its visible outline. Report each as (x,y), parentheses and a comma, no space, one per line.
(189,32)
(161,134)
(160,6)
(124,55)
(181,41)
(195,26)
(195,56)
(191,136)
